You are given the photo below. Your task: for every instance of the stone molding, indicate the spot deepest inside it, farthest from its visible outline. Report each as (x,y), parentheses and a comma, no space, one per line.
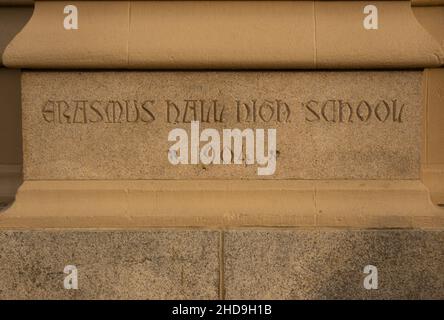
(298,34)
(222,203)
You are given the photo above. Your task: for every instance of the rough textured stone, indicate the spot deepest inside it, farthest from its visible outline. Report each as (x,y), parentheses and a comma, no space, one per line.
(328,264)
(66,134)
(154,264)
(258,264)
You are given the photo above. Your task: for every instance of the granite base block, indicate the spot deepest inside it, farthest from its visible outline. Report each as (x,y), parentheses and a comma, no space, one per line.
(222,264)
(329,264)
(154,264)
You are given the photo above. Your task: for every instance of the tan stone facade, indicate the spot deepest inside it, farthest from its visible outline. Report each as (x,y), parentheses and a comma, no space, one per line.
(345,121)
(298,34)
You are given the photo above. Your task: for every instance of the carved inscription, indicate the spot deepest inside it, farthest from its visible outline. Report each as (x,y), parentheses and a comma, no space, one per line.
(333,111)
(98,111)
(194,110)
(262,111)
(340,111)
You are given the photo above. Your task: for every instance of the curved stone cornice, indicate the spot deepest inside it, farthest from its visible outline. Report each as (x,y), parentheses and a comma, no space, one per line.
(223,34)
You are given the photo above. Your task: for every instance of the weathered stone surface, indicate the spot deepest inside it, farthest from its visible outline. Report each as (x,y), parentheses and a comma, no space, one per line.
(258,263)
(85,125)
(328,264)
(154,264)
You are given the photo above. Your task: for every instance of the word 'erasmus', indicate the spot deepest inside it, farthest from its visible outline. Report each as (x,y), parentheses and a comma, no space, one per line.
(96,111)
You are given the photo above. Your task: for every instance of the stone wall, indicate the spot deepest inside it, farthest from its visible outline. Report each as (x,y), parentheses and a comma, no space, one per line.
(341,167)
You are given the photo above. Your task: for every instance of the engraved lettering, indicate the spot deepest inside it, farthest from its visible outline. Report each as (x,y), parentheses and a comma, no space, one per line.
(310,105)
(397,114)
(48,111)
(250,115)
(262,111)
(283,111)
(343,105)
(132,112)
(190,107)
(266,106)
(65,113)
(96,112)
(218,114)
(367,108)
(381,108)
(80,111)
(332,110)
(171,105)
(149,116)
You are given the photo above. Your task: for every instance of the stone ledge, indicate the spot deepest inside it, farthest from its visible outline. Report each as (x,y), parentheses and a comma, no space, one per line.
(298,34)
(222,203)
